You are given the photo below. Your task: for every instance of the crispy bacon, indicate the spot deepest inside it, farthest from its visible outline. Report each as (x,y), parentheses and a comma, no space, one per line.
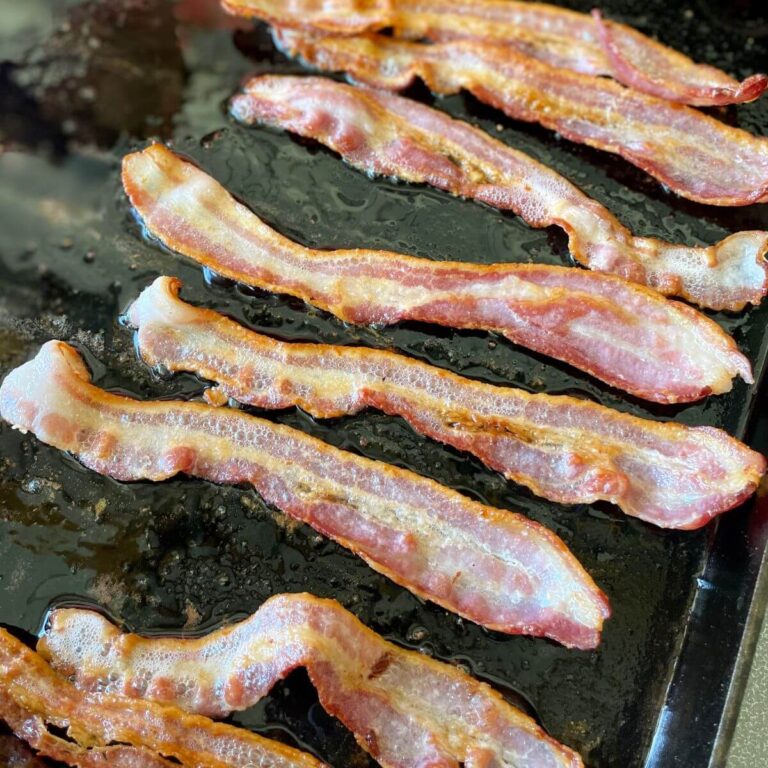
(626,335)
(568,450)
(108,731)
(405,709)
(643,64)
(489,565)
(337,16)
(556,36)
(692,153)
(382,133)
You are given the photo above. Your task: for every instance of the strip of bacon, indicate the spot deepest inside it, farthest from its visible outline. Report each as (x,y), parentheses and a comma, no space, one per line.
(338,16)
(556,36)
(567,450)
(626,335)
(643,64)
(383,133)
(118,732)
(405,709)
(695,155)
(489,565)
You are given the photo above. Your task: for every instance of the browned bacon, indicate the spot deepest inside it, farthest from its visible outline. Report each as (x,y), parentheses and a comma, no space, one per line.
(383,133)
(557,36)
(692,153)
(568,450)
(337,16)
(405,709)
(108,731)
(624,334)
(489,565)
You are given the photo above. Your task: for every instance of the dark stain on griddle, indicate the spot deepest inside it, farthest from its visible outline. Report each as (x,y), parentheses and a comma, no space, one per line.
(183,554)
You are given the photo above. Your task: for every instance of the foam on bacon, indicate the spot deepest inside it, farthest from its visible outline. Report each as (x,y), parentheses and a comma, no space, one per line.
(567,450)
(556,36)
(382,133)
(406,709)
(494,567)
(108,730)
(693,154)
(626,335)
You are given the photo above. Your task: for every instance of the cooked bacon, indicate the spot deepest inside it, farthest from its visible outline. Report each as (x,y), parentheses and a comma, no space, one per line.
(405,709)
(568,450)
(692,153)
(108,731)
(382,133)
(643,64)
(556,36)
(626,335)
(337,16)
(489,565)
(575,41)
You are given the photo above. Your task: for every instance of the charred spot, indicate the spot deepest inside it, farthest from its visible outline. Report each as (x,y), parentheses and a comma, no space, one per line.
(380,666)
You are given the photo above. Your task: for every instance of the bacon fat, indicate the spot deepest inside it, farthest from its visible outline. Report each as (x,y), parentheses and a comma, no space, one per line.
(567,450)
(383,133)
(494,567)
(626,335)
(405,709)
(109,731)
(556,36)
(693,154)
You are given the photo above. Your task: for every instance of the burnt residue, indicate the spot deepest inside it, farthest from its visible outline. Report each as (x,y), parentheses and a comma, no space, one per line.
(185,554)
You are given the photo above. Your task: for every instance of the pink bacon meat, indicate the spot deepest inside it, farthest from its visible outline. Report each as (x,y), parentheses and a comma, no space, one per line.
(626,335)
(405,709)
(108,731)
(693,154)
(382,133)
(568,450)
(556,36)
(489,565)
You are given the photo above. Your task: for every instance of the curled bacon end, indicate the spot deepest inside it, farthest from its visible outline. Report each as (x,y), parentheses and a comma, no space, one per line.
(491,566)
(624,334)
(404,708)
(568,450)
(693,154)
(380,132)
(345,17)
(651,73)
(109,731)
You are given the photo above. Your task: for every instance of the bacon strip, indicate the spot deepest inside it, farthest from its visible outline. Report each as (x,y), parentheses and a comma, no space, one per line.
(489,565)
(550,34)
(568,450)
(382,133)
(109,731)
(695,155)
(626,335)
(336,16)
(405,709)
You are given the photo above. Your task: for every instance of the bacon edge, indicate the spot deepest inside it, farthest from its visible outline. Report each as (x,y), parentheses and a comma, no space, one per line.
(492,566)
(354,17)
(386,134)
(107,730)
(567,450)
(404,708)
(624,334)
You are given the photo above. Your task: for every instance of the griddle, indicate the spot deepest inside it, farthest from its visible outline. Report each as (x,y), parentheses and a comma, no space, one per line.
(81,84)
